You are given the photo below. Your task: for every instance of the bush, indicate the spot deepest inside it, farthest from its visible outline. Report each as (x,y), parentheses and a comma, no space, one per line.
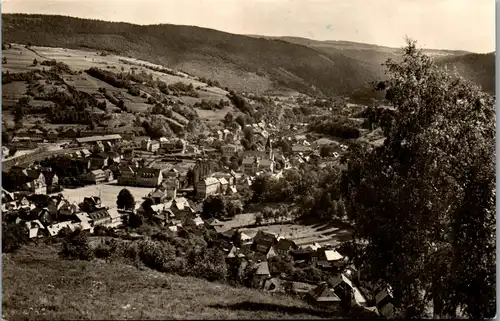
(13,236)
(75,246)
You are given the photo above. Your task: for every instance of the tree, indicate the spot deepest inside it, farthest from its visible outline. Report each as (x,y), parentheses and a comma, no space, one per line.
(76,247)
(13,236)
(228,119)
(4,60)
(35,62)
(214,206)
(424,201)
(258,219)
(125,200)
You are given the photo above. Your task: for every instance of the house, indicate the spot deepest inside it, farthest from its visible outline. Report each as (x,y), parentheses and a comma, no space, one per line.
(91,204)
(96,176)
(159,195)
(230,149)
(101,138)
(100,217)
(250,165)
(284,246)
(213,223)
(42,214)
(150,145)
(55,228)
(127,176)
(329,255)
(300,138)
(35,132)
(198,221)
(98,161)
(52,135)
(306,254)
(343,287)
(223,185)
(301,149)
(117,217)
(113,157)
(263,256)
(261,275)
(34,182)
(383,298)
(266,165)
(206,187)
(149,177)
(323,296)
(35,229)
(173,173)
(358,298)
(67,209)
(180,207)
(263,242)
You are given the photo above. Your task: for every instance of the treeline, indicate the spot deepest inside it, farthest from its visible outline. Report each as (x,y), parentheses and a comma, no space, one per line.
(57,66)
(127,80)
(338,127)
(8,77)
(211,105)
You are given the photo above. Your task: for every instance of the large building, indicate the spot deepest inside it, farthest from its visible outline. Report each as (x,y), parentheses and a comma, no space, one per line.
(94,139)
(207,186)
(144,177)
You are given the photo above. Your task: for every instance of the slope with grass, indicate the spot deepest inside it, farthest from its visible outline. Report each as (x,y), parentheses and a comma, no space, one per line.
(241,62)
(38,285)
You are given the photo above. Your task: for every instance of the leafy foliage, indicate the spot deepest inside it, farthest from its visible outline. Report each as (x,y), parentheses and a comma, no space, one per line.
(13,236)
(425,200)
(125,200)
(75,246)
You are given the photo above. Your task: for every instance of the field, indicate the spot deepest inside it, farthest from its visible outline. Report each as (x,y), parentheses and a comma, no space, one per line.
(37,285)
(302,234)
(20,59)
(108,193)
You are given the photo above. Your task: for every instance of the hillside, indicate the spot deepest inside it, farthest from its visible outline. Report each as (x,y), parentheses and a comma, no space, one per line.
(38,285)
(479,68)
(240,62)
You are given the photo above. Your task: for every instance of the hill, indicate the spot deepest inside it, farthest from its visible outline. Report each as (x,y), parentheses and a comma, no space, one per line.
(39,285)
(243,63)
(479,68)
(240,62)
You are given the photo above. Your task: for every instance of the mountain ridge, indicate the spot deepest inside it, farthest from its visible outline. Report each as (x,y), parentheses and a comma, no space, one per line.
(244,63)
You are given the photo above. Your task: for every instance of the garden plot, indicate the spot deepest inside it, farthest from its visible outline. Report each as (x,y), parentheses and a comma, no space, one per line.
(302,235)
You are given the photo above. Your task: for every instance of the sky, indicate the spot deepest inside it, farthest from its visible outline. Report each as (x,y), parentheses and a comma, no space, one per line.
(437,24)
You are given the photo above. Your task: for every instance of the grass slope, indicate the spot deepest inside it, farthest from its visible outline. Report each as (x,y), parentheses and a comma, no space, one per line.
(38,285)
(241,62)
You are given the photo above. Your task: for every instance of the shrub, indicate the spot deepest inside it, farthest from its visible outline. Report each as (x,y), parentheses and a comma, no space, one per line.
(13,236)
(75,246)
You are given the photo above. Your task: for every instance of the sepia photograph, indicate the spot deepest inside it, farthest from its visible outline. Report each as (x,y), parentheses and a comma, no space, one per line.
(248,159)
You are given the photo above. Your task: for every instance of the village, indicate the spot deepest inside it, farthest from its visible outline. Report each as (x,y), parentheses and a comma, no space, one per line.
(172,180)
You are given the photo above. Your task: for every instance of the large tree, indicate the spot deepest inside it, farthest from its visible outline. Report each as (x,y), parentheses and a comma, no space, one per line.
(125,200)
(424,201)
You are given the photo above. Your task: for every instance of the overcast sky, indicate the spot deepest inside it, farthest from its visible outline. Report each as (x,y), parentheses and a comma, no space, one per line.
(440,24)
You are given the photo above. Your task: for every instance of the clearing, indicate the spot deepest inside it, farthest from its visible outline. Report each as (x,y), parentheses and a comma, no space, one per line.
(37,285)
(108,193)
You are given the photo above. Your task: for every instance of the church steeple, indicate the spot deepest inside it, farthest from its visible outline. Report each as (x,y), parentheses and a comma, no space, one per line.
(269,148)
